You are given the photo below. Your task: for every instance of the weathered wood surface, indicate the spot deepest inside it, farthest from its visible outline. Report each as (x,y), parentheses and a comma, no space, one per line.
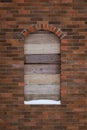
(42,37)
(43,58)
(42,79)
(42,66)
(41,69)
(41,89)
(42,48)
(28,97)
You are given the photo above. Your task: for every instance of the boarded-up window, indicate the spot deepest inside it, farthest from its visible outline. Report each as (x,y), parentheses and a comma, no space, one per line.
(42,66)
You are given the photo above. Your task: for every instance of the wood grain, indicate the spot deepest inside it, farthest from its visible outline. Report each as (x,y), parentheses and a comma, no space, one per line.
(41,69)
(42,48)
(42,37)
(28,97)
(42,79)
(41,89)
(43,58)
(42,66)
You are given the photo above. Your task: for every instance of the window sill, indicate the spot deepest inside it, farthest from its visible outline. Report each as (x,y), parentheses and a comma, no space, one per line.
(42,102)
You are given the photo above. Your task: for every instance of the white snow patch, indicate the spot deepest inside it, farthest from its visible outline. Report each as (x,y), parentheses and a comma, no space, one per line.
(42,101)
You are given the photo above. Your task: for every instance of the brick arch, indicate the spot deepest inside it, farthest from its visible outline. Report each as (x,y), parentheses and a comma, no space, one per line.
(45,26)
(41,25)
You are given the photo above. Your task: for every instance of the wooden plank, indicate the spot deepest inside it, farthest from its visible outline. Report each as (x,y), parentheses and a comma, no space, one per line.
(28,97)
(42,79)
(41,69)
(42,89)
(42,37)
(42,48)
(50,58)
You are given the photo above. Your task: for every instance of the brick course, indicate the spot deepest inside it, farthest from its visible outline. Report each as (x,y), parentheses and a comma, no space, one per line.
(67,15)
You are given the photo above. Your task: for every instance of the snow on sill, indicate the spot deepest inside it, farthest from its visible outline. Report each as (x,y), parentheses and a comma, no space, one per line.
(42,102)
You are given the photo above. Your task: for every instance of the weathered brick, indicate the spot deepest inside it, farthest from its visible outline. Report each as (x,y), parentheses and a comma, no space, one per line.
(70,17)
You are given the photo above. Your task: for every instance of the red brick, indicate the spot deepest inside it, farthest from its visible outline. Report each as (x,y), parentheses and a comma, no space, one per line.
(25,33)
(45,26)
(52,28)
(70,17)
(31,29)
(59,32)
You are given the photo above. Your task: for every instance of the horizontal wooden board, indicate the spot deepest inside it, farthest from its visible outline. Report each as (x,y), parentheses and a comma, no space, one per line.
(42,79)
(41,69)
(42,89)
(42,48)
(42,37)
(28,97)
(43,58)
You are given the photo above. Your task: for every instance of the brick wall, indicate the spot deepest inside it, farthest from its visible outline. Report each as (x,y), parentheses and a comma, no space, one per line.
(70,16)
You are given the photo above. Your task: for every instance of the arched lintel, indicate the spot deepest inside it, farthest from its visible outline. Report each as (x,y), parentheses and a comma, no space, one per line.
(42,25)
